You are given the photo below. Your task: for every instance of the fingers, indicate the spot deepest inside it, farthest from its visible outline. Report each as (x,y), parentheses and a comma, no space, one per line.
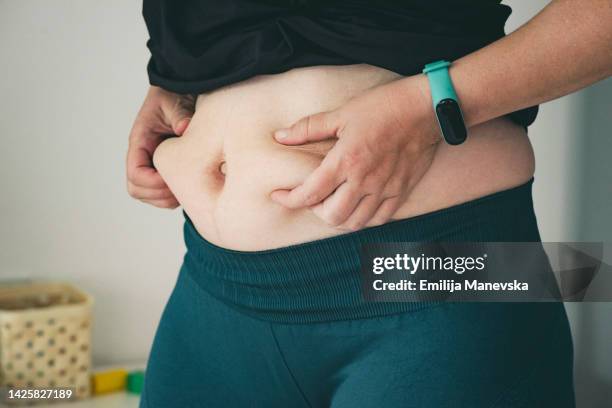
(320,184)
(169,203)
(143,193)
(140,171)
(337,208)
(158,197)
(369,210)
(178,112)
(144,182)
(161,114)
(362,214)
(180,125)
(385,211)
(312,128)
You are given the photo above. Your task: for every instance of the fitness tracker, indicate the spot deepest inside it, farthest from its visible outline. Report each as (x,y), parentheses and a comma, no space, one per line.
(445,103)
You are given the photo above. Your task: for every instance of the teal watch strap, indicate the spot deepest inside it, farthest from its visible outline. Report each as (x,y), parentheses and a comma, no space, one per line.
(440,81)
(445,102)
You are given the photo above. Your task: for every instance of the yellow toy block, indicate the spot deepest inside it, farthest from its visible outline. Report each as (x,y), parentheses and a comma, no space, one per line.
(103,382)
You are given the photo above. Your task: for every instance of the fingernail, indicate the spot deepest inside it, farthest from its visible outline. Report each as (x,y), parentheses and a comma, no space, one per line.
(281,134)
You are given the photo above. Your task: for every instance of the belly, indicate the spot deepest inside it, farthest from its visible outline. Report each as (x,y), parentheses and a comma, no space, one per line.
(225,166)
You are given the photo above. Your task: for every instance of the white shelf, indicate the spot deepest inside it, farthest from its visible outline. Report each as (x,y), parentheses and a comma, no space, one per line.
(121,399)
(115,400)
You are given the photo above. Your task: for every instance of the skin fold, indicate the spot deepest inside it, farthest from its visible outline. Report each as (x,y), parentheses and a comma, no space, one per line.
(227,165)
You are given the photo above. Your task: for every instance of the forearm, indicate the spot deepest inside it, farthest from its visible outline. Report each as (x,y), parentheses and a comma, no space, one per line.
(566,47)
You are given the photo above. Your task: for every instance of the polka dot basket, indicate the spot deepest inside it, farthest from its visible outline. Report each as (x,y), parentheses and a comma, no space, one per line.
(45,338)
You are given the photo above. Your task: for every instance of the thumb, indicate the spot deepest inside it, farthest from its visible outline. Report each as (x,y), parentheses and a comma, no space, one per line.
(179,115)
(180,124)
(313,128)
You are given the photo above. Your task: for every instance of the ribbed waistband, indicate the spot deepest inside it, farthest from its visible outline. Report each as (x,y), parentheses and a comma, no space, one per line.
(320,280)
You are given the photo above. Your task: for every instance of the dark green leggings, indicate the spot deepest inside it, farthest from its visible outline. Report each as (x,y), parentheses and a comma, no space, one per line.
(288,328)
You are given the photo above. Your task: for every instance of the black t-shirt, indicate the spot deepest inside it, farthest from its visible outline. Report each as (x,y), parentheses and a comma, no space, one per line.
(200,45)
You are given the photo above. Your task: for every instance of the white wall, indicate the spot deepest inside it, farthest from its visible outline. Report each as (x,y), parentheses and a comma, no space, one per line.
(572,139)
(72,78)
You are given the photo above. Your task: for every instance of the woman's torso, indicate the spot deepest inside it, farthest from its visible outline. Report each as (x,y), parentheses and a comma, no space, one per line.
(223,169)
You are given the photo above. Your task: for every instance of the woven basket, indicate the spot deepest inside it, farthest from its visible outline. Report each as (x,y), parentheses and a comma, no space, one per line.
(45,337)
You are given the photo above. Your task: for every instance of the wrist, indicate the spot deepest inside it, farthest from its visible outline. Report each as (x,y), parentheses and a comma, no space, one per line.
(473,94)
(417,104)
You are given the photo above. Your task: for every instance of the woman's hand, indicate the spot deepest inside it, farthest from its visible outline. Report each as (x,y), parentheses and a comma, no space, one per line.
(387,137)
(163,114)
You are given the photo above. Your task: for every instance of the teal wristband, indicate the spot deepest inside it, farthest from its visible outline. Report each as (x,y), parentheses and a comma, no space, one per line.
(440,81)
(445,102)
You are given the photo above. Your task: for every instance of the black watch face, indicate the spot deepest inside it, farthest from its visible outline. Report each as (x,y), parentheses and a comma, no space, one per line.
(451,121)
